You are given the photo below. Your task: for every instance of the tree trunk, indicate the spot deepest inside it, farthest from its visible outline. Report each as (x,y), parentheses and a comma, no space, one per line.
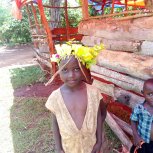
(118,94)
(55,13)
(118,131)
(121,80)
(135,65)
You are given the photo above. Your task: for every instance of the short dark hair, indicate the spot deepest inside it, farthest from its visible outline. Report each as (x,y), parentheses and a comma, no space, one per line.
(149,81)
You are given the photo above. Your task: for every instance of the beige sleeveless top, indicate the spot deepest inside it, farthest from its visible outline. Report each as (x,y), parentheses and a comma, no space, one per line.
(73,139)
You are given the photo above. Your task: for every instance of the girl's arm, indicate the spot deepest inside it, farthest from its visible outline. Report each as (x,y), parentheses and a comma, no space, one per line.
(57,136)
(103,109)
(137,139)
(100,121)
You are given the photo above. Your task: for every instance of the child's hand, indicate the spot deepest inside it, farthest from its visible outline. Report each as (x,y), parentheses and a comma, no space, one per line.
(96,148)
(137,140)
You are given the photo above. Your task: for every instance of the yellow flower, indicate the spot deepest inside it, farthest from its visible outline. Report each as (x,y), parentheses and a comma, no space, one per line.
(67,49)
(84,54)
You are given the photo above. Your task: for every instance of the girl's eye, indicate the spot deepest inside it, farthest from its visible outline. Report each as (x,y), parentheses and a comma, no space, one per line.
(77,69)
(64,70)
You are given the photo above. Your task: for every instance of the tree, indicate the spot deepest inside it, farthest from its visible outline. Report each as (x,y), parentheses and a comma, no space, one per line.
(12,30)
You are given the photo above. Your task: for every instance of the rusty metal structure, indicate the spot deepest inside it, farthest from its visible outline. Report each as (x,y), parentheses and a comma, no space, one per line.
(44,35)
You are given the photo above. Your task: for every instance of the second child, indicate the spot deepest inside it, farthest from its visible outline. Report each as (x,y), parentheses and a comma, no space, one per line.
(142,121)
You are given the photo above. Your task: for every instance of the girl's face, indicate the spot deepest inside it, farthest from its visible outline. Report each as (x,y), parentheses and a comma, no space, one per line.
(71,74)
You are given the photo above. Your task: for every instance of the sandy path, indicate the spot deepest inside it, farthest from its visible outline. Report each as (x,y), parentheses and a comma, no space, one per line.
(18,55)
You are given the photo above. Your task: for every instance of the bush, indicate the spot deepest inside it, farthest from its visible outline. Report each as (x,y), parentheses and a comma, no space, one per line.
(12,30)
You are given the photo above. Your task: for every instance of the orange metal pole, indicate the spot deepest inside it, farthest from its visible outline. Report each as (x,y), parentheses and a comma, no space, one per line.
(48,31)
(85,12)
(126,5)
(35,16)
(112,10)
(67,21)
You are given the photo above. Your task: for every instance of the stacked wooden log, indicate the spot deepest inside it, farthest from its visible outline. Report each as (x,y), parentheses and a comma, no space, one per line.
(125,64)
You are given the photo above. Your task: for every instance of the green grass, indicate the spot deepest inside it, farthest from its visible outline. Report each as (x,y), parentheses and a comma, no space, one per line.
(31,126)
(26,76)
(112,138)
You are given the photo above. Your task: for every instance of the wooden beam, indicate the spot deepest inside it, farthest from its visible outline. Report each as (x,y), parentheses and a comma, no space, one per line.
(135,65)
(125,126)
(118,93)
(121,80)
(118,131)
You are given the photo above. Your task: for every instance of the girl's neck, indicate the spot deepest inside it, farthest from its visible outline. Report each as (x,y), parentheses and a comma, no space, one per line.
(80,86)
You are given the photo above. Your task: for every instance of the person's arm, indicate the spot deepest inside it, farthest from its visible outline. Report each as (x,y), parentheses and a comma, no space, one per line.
(100,121)
(103,109)
(57,136)
(136,138)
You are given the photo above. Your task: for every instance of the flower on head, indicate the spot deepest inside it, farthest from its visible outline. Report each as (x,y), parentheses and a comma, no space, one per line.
(86,55)
(55,58)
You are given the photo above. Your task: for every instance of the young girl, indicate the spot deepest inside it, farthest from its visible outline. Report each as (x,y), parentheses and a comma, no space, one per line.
(77,117)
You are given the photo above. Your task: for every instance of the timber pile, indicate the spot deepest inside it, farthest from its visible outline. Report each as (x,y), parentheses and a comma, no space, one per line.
(125,64)
(134,35)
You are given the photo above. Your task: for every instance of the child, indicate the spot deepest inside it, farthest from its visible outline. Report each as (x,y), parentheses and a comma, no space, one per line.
(77,117)
(142,122)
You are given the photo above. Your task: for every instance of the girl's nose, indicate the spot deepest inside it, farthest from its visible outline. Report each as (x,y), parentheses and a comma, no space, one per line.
(71,74)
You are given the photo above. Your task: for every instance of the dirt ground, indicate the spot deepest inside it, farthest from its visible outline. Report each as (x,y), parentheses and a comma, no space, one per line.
(20,56)
(15,56)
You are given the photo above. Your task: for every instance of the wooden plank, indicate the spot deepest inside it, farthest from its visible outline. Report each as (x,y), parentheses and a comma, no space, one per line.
(125,126)
(118,131)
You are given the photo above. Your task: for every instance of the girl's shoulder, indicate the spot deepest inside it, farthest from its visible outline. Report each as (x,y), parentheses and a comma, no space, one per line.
(92,87)
(94,92)
(54,94)
(52,102)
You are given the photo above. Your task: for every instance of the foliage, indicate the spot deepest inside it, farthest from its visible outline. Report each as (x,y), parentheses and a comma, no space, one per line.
(74,16)
(26,76)
(12,30)
(115,142)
